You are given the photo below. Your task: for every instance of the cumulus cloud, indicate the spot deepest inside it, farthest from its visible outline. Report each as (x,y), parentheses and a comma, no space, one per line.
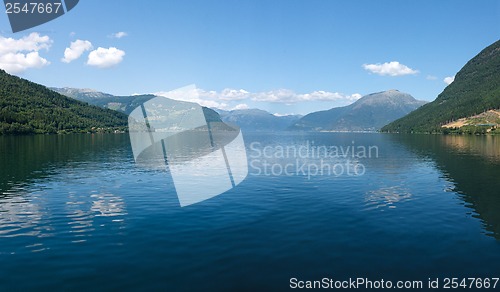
(226,98)
(18,55)
(119,35)
(393,68)
(233,94)
(75,50)
(196,95)
(32,42)
(105,58)
(17,63)
(289,96)
(449,80)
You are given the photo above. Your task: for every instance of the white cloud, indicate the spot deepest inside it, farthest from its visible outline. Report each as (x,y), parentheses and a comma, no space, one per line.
(431,77)
(119,35)
(226,98)
(18,55)
(289,96)
(233,94)
(17,63)
(193,94)
(32,42)
(449,80)
(75,50)
(105,58)
(391,69)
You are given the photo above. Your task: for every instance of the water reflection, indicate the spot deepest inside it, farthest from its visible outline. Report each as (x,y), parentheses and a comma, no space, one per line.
(24,159)
(47,187)
(387,197)
(74,218)
(80,218)
(108,205)
(24,216)
(472,164)
(84,210)
(487,147)
(19,217)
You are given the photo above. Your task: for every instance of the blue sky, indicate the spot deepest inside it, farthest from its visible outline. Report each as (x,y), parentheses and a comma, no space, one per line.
(282,56)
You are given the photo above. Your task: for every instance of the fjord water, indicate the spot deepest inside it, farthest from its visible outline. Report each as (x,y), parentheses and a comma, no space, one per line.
(77,213)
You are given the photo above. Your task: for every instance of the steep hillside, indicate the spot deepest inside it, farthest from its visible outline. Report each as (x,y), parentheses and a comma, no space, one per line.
(30,108)
(476,89)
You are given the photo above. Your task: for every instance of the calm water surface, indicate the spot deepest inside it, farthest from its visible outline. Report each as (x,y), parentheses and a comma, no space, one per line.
(76,213)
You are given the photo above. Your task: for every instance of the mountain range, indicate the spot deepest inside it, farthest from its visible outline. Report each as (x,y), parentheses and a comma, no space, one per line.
(369,113)
(470,103)
(246,119)
(257,120)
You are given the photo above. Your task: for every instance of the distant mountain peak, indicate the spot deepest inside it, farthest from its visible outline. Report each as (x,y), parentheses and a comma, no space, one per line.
(369,113)
(85,94)
(393,98)
(80,89)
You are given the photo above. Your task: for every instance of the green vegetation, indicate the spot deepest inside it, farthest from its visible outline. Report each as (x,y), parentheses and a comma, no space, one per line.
(471,130)
(476,89)
(30,108)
